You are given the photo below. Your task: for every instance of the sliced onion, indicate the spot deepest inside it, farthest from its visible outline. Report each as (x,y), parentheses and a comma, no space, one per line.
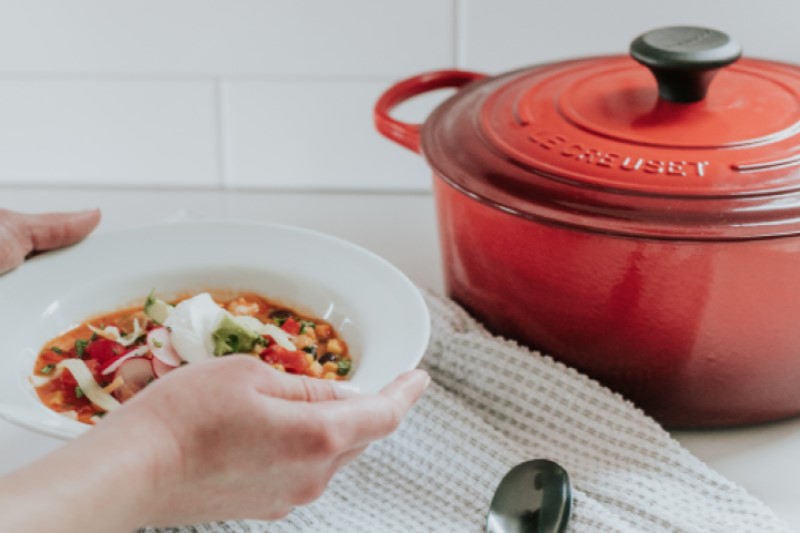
(160,345)
(88,385)
(112,333)
(278,335)
(38,381)
(115,364)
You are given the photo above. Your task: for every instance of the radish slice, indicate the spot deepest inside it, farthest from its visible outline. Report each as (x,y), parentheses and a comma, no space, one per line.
(160,345)
(136,373)
(115,364)
(160,368)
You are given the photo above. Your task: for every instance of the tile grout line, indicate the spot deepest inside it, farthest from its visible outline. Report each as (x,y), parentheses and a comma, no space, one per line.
(158,77)
(21,187)
(456,33)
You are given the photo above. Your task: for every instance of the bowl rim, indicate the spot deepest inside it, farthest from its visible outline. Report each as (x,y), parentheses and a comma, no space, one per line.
(17,409)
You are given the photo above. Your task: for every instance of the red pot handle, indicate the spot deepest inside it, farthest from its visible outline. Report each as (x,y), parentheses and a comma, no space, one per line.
(405,134)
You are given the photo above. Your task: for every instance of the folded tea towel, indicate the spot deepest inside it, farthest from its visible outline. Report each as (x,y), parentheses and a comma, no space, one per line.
(493,404)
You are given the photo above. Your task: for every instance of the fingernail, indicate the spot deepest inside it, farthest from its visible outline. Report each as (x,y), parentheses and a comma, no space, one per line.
(417,375)
(427,380)
(345,390)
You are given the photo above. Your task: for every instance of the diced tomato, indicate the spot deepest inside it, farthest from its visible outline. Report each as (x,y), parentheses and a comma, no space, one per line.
(100,367)
(71,398)
(104,350)
(68,386)
(294,361)
(96,369)
(291,326)
(86,412)
(67,380)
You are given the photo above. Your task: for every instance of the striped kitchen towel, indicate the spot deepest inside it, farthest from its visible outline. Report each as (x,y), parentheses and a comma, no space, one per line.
(493,404)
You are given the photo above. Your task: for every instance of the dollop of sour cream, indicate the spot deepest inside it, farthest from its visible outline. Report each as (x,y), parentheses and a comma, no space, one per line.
(192,323)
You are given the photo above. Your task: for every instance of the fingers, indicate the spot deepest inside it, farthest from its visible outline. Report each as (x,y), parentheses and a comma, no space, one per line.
(304,389)
(13,244)
(363,419)
(55,230)
(348,457)
(408,386)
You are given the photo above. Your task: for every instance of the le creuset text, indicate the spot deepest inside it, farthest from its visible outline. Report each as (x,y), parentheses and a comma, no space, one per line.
(547,140)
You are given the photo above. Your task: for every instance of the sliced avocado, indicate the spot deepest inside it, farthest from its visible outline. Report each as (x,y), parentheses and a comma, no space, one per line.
(232,337)
(156,309)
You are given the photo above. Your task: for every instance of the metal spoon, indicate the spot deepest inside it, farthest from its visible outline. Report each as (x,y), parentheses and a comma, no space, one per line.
(533,497)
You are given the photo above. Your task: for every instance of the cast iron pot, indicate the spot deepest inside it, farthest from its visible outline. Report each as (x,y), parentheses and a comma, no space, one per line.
(630,218)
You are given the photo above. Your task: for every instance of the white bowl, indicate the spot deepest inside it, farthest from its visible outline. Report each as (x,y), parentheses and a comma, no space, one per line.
(376,309)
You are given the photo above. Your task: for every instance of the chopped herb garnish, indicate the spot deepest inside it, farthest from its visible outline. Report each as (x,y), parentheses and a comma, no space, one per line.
(93,337)
(46,369)
(344,367)
(78,392)
(80,347)
(279,320)
(306,324)
(158,344)
(261,340)
(233,342)
(57,349)
(151,299)
(311,349)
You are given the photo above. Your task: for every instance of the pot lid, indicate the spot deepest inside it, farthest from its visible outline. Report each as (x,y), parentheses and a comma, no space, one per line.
(679,140)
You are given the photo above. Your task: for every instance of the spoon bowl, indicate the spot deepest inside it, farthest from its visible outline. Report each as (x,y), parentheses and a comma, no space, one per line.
(533,497)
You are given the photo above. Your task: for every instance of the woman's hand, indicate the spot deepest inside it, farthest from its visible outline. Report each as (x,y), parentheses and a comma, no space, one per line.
(226,438)
(222,439)
(21,234)
(235,438)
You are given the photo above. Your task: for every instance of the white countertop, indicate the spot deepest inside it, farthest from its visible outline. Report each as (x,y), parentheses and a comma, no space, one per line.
(402,228)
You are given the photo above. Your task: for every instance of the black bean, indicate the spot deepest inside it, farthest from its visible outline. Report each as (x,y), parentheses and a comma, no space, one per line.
(328,357)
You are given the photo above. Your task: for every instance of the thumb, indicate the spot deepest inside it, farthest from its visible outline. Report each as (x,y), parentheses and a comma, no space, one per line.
(294,387)
(56,230)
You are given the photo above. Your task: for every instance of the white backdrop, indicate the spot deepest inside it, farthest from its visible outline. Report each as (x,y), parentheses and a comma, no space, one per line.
(278,94)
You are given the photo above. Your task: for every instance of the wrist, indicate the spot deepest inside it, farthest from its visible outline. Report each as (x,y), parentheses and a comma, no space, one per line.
(105,481)
(138,468)
(92,484)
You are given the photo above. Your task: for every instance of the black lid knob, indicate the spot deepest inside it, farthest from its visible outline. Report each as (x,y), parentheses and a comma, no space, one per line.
(684,59)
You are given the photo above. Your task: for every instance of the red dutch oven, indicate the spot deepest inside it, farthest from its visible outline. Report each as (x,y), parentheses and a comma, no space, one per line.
(630,217)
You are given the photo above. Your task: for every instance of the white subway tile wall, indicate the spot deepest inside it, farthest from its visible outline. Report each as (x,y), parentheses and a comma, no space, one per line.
(314,135)
(132,132)
(275,38)
(498,35)
(278,94)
